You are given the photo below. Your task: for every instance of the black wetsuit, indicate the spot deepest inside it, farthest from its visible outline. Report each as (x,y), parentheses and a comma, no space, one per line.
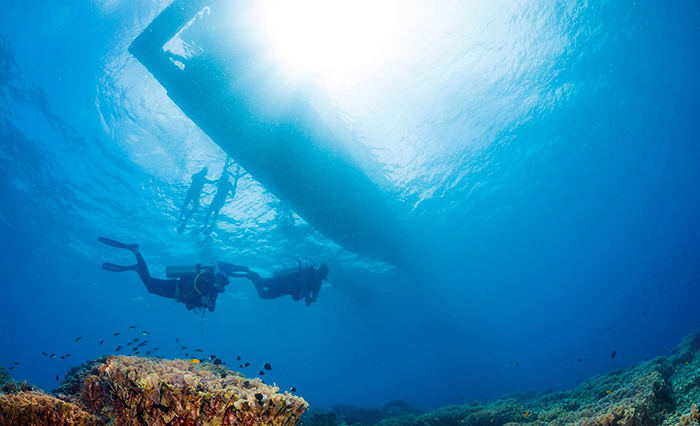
(303,284)
(183,289)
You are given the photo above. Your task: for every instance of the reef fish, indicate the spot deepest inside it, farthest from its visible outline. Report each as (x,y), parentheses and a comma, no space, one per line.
(613,354)
(78,339)
(101,342)
(194,361)
(183,348)
(116,334)
(145,333)
(259,396)
(261,373)
(217,361)
(197,351)
(267,366)
(293,389)
(132,328)
(53,356)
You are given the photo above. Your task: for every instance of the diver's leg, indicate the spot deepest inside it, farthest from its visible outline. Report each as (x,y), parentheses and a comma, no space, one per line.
(117,244)
(184,207)
(157,286)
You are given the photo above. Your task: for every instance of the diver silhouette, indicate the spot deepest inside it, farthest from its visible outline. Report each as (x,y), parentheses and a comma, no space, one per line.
(192,196)
(223,187)
(302,282)
(196,286)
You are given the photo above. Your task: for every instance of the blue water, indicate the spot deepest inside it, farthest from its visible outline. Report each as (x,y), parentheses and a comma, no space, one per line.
(543,160)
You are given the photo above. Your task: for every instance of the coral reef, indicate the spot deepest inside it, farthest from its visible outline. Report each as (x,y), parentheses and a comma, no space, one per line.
(660,392)
(32,408)
(145,391)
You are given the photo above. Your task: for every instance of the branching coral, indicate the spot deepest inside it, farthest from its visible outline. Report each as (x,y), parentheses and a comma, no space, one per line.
(690,419)
(145,391)
(37,408)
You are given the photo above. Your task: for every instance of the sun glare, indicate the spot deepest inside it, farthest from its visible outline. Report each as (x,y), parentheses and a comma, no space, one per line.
(331,37)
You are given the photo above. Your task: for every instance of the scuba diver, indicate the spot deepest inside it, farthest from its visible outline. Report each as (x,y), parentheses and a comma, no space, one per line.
(192,196)
(196,286)
(304,282)
(223,187)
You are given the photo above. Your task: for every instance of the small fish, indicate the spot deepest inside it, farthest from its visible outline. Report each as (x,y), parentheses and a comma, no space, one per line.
(259,396)
(238,358)
(78,339)
(145,333)
(607,391)
(217,361)
(223,375)
(613,354)
(63,358)
(267,366)
(118,347)
(140,345)
(67,355)
(16,363)
(53,356)
(517,364)
(137,352)
(12,368)
(687,363)
(579,360)
(261,373)
(527,413)
(212,357)
(148,353)
(136,340)
(132,328)
(246,364)
(129,344)
(155,349)
(183,348)
(240,365)
(187,355)
(116,334)
(101,342)
(194,361)
(44,354)
(293,389)
(197,351)
(56,377)
(246,384)
(177,340)
(135,349)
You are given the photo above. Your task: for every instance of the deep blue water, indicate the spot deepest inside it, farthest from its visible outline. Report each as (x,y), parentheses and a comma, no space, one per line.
(543,159)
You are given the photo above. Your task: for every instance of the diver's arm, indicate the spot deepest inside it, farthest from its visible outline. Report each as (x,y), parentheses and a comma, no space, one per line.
(232,270)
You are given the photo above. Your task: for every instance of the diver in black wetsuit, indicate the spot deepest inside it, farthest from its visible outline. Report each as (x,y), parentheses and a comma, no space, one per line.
(192,196)
(196,288)
(303,283)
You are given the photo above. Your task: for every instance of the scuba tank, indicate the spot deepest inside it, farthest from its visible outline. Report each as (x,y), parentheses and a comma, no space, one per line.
(287,270)
(181,271)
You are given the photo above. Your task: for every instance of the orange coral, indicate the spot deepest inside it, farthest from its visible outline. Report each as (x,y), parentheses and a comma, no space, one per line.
(690,419)
(145,391)
(37,408)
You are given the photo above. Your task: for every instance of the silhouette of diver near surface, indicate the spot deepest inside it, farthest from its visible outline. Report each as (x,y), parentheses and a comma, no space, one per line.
(192,196)
(197,286)
(303,283)
(223,187)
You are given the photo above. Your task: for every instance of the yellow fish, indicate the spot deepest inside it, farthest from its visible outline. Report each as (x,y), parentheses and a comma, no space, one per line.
(194,361)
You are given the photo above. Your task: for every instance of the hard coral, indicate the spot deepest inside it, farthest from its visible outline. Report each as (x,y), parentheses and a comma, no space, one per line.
(161,392)
(37,408)
(690,419)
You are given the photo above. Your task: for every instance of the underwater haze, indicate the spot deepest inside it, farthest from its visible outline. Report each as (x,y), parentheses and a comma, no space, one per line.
(540,158)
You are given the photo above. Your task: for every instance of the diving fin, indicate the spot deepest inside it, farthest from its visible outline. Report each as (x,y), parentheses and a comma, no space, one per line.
(118,268)
(117,244)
